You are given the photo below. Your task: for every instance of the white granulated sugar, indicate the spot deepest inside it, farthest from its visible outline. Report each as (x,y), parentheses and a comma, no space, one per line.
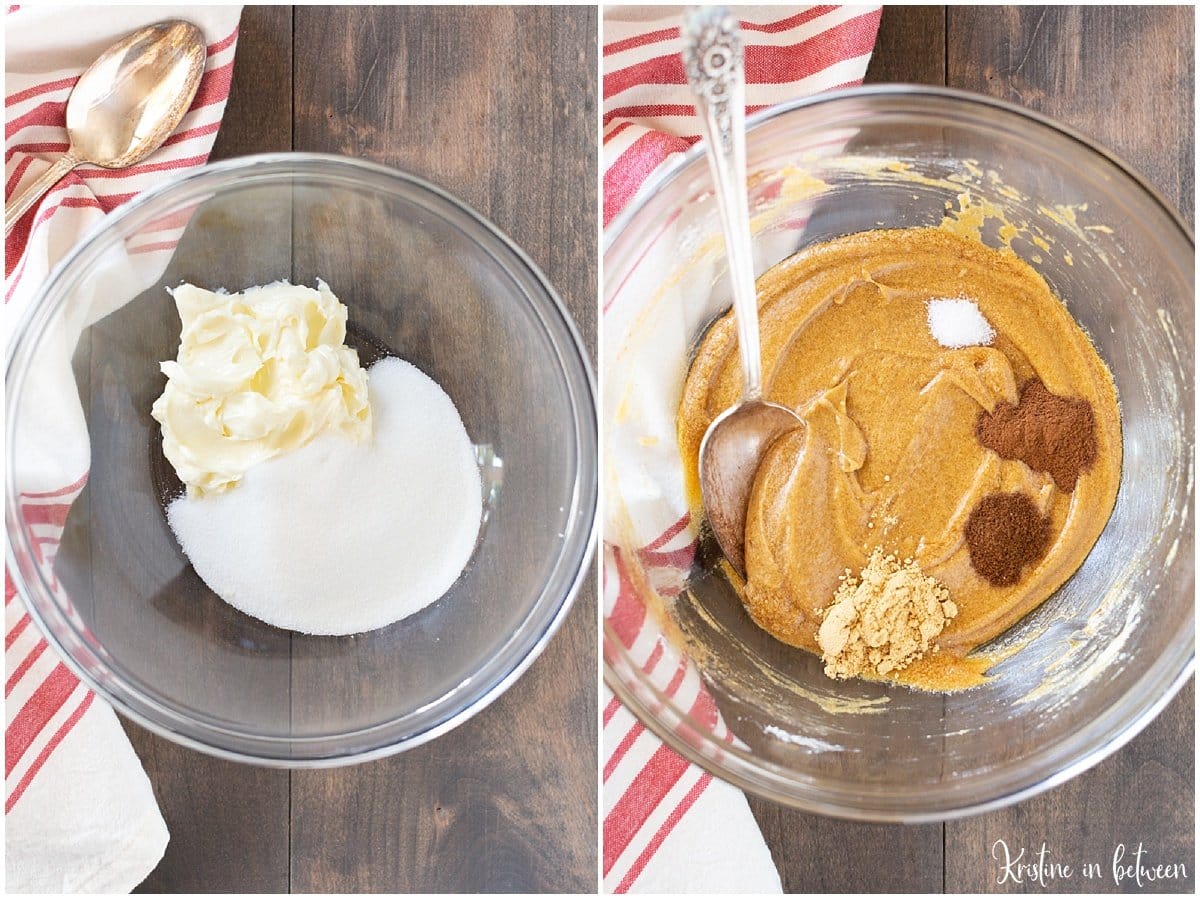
(339,537)
(958,323)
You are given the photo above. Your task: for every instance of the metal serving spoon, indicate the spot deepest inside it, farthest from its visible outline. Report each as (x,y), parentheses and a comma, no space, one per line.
(735,442)
(126,104)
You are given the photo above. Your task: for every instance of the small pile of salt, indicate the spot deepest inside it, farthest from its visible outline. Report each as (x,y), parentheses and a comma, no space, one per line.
(958,323)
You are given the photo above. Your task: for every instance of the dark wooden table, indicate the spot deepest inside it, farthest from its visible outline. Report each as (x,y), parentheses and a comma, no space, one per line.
(497,105)
(1124,76)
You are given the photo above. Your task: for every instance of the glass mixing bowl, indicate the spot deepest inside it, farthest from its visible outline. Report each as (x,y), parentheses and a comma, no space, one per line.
(425,278)
(1073,681)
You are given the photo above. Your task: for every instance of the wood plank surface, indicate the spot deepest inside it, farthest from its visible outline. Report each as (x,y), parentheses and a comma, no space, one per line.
(816,854)
(910,47)
(1076,65)
(826,855)
(1122,75)
(506,802)
(1125,77)
(229,822)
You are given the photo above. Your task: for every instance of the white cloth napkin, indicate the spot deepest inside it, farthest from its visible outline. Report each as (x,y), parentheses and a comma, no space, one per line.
(669,826)
(699,837)
(80,815)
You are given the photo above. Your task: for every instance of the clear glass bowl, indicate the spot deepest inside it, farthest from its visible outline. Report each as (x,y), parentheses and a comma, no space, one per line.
(1098,660)
(425,278)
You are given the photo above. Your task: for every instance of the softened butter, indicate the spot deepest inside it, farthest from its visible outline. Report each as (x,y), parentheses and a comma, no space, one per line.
(258,373)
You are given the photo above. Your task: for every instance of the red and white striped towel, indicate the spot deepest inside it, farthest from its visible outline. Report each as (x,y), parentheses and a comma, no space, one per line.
(79,812)
(669,827)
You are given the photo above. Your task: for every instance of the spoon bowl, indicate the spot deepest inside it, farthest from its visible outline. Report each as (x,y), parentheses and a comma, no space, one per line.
(134,96)
(126,104)
(730,454)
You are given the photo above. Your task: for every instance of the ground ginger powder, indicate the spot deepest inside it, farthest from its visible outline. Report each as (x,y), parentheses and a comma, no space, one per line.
(883,620)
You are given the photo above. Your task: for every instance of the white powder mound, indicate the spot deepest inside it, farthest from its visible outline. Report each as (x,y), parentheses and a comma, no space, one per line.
(958,323)
(341,537)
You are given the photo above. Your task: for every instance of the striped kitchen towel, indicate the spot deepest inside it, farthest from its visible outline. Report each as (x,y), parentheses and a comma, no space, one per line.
(80,815)
(669,827)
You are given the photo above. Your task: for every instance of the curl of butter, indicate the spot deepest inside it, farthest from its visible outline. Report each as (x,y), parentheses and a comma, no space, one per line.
(258,373)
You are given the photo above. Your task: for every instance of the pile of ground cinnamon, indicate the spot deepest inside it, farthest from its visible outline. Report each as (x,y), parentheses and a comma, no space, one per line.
(883,620)
(1047,432)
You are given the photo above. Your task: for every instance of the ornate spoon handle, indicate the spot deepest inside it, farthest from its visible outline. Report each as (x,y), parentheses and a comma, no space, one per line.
(18,206)
(713,60)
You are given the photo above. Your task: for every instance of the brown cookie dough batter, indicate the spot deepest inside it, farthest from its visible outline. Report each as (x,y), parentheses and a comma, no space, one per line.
(891,456)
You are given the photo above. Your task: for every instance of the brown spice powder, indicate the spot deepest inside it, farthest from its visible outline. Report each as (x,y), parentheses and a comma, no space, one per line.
(1047,432)
(1005,532)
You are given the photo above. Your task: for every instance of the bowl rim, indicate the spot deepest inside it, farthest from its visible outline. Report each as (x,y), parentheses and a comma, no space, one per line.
(572,565)
(668,172)
(692,736)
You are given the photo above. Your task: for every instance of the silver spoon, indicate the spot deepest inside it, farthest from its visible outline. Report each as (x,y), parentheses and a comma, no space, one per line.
(735,442)
(126,104)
